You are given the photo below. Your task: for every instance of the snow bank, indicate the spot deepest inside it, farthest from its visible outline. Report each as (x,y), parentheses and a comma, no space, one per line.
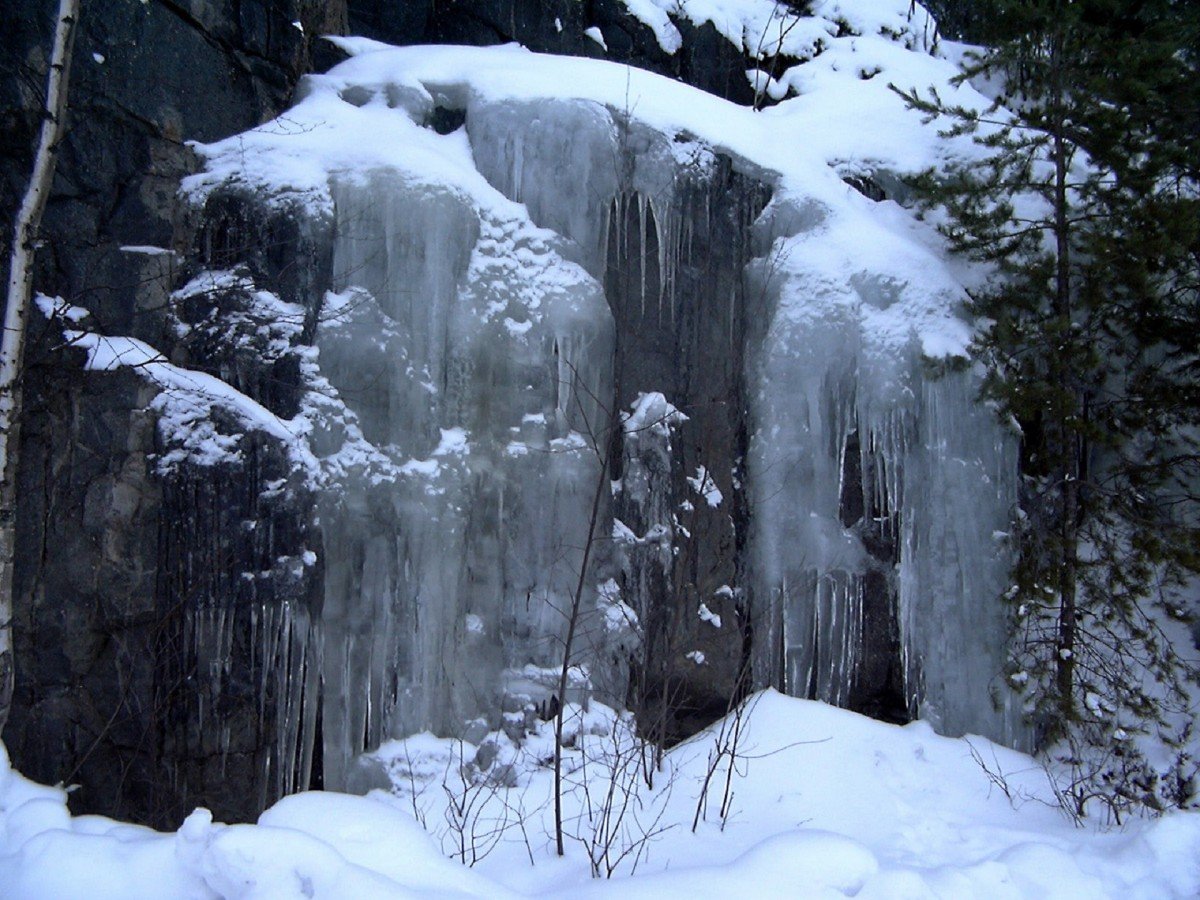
(825,803)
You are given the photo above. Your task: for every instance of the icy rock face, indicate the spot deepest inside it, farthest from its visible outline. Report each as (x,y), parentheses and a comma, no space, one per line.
(664,222)
(195,594)
(881,492)
(475,352)
(527,165)
(225,651)
(240,582)
(474,355)
(550,331)
(646,533)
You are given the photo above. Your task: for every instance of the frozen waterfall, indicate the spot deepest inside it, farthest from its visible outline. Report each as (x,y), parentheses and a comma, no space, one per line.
(824,512)
(473,354)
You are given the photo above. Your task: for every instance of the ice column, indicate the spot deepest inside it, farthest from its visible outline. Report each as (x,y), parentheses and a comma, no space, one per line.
(959,499)
(809,566)
(473,353)
(876,484)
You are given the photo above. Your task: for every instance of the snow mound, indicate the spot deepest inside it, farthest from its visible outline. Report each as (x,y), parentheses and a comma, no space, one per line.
(824,803)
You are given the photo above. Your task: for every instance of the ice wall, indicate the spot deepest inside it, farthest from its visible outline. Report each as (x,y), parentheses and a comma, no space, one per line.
(473,355)
(881,495)
(514,279)
(478,359)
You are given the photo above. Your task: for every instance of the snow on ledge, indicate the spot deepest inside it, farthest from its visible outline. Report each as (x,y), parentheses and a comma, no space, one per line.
(186,394)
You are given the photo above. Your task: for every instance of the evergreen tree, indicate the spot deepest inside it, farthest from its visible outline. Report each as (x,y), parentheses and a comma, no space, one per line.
(1085,205)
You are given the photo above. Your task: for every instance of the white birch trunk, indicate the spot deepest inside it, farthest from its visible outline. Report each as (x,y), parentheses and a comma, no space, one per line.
(12,344)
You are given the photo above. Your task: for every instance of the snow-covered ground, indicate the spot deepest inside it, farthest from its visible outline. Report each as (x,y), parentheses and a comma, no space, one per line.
(821,803)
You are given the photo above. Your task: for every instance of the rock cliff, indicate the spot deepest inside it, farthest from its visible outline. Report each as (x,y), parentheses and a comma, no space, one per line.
(329,475)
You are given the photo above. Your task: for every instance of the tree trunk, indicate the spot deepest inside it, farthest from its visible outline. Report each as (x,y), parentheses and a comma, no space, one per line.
(12,345)
(1066,428)
(572,623)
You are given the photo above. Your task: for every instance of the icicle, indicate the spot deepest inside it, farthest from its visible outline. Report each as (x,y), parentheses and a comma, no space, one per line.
(640,200)
(518,168)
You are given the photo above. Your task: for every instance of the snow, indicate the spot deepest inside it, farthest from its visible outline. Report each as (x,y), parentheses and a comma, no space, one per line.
(707,615)
(825,804)
(57,308)
(766,28)
(453,442)
(596,35)
(186,397)
(512,73)
(147,250)
(704,485)
(651,412)
(653,14)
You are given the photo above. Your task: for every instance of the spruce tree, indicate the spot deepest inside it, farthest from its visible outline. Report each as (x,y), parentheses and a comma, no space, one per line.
(1085,206)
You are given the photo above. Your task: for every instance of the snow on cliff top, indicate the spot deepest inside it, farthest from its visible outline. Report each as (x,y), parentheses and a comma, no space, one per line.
(840,120)
(841,107)
(764,28)
(825,803)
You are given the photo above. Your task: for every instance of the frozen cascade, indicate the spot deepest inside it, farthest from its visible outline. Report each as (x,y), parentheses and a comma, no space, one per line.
(625,178)
(809,565)
(405,246)
(914,518)
(474,354)
(491,306)
(958,501)
(665,222)
(525,164)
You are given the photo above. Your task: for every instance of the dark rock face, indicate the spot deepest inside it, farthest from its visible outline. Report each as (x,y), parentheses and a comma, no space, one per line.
(110,553)
(692,346)
(86,616)
(706,60)
(145,79)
